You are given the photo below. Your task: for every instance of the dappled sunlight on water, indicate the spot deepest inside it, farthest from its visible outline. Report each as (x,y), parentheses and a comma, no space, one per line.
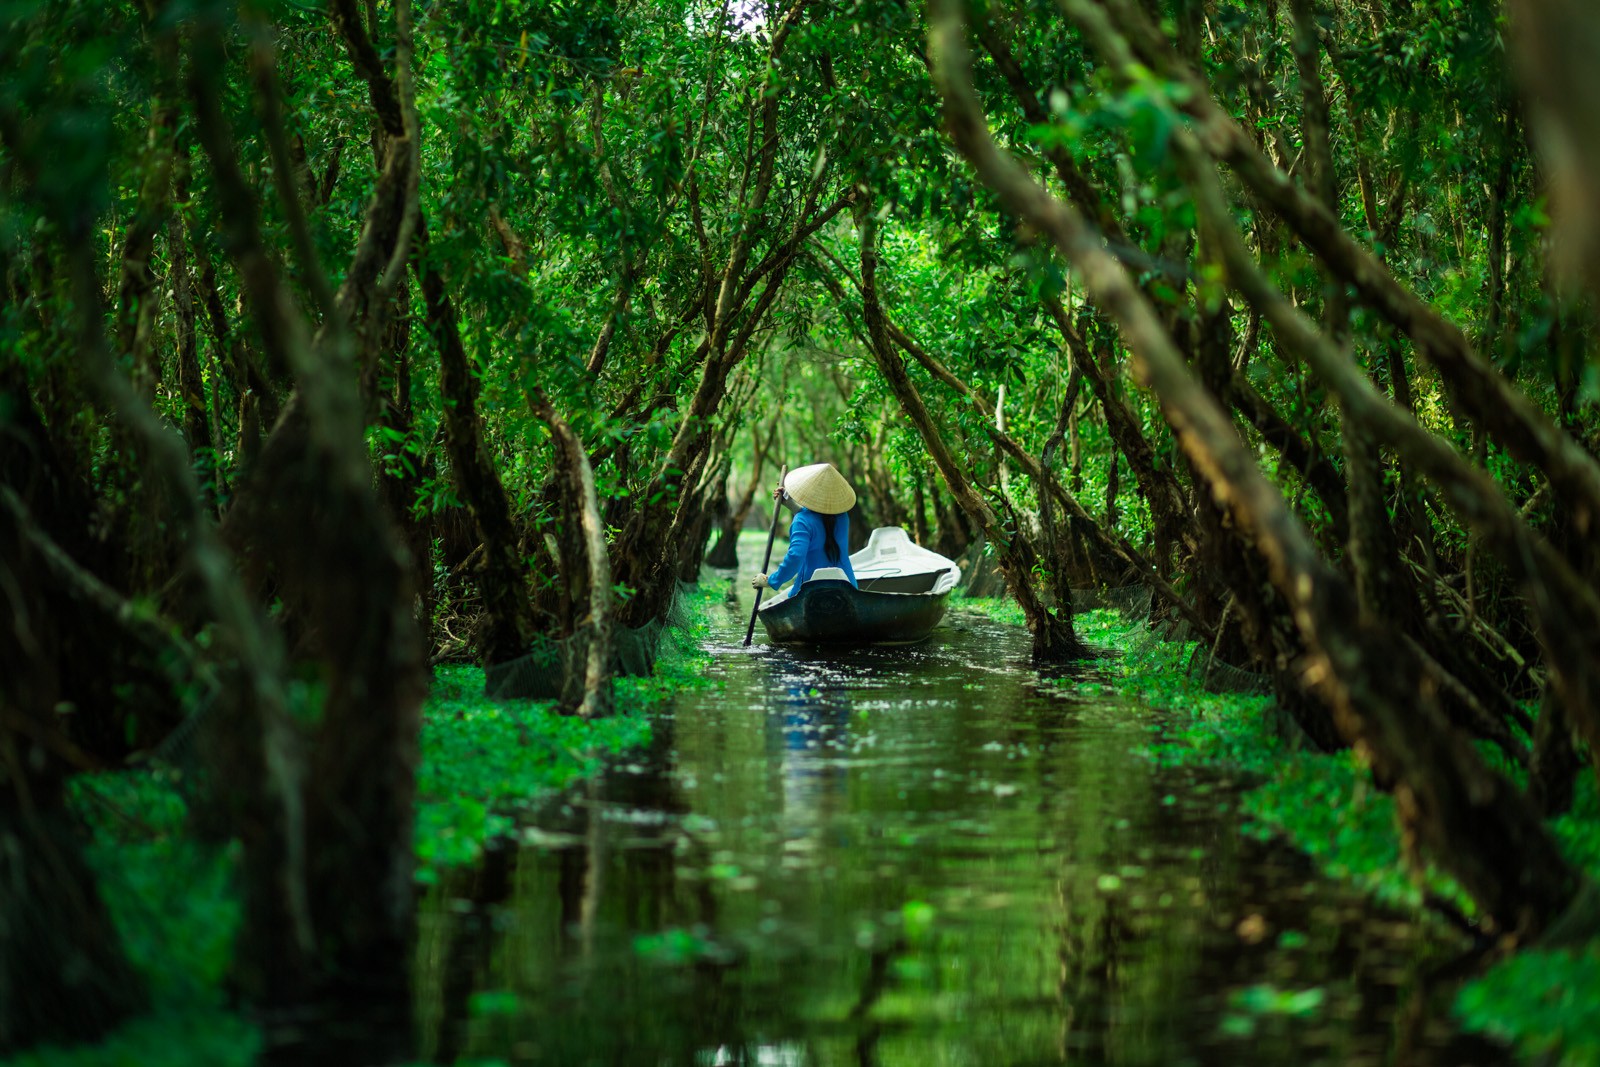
(917,856)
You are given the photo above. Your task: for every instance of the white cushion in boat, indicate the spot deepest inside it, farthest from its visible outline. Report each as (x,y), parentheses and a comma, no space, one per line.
(834,573)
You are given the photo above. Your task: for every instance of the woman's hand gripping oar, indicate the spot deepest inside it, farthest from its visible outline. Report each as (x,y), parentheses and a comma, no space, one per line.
(772,533)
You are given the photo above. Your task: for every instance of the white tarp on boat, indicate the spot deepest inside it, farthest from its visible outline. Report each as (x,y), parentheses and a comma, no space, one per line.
(891,553)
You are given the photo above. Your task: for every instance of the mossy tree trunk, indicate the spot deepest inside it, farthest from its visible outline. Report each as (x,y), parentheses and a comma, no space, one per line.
(1465,815)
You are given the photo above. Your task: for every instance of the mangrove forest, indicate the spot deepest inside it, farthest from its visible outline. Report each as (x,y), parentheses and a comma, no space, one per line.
(799,532)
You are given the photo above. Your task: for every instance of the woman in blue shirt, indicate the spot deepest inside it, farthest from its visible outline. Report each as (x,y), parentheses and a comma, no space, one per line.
(819,533)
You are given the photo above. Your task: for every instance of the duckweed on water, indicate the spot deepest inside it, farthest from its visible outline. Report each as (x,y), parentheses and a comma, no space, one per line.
(482,760)
(1547,1003)
(172,898)
(173,904)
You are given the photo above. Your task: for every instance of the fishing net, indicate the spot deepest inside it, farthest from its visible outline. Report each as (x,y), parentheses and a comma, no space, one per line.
(538,674)
(1219,677)
(980,574)
(179,750)
(1153,632)
(1129,601)
(1134,603)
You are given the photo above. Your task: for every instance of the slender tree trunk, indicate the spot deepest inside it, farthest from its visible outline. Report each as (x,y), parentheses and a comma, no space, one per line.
(1490,341)
(401,479)
(191,385)
(725,552)
(585,569)
(503,577)
(1053,635)
(137,281)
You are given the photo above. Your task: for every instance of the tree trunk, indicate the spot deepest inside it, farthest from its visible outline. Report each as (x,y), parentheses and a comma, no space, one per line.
(328,836)
(191,386)
(502,576)
(725,552)
(585,569)
(1468,817)
(1053,636)
(400,479)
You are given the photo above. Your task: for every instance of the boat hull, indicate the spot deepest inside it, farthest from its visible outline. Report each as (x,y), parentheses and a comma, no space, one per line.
(832,612)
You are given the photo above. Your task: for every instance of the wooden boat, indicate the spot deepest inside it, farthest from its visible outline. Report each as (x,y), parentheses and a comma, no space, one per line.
(903,592)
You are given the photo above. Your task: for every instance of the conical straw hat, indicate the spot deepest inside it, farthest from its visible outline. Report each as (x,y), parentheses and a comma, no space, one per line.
(821,488)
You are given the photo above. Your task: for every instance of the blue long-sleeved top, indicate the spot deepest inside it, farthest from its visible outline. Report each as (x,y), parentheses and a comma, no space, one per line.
(808,539)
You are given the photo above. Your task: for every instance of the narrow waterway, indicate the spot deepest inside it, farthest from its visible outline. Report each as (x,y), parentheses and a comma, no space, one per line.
(911,857)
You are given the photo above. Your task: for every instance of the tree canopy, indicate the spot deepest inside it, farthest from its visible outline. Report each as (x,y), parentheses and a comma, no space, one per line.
(340,340)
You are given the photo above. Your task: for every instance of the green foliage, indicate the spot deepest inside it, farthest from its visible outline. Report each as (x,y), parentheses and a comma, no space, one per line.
(170,896)
(172,1037)
(1000,609)
(613,143)
(485,760)
(482,760)
(917,919)
(1545,1002)
(1322,804)
(1579,829)
(677,947)
(171,899)
(1251,1006)
(1327,807)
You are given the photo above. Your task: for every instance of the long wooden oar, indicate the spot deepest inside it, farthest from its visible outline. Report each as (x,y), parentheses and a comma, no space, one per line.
(772,533)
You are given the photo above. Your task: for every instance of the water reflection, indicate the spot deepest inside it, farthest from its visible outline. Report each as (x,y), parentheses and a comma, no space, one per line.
(916,856)
(808,732)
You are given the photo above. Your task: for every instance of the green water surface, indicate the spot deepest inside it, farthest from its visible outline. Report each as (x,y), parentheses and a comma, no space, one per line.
(917,857)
